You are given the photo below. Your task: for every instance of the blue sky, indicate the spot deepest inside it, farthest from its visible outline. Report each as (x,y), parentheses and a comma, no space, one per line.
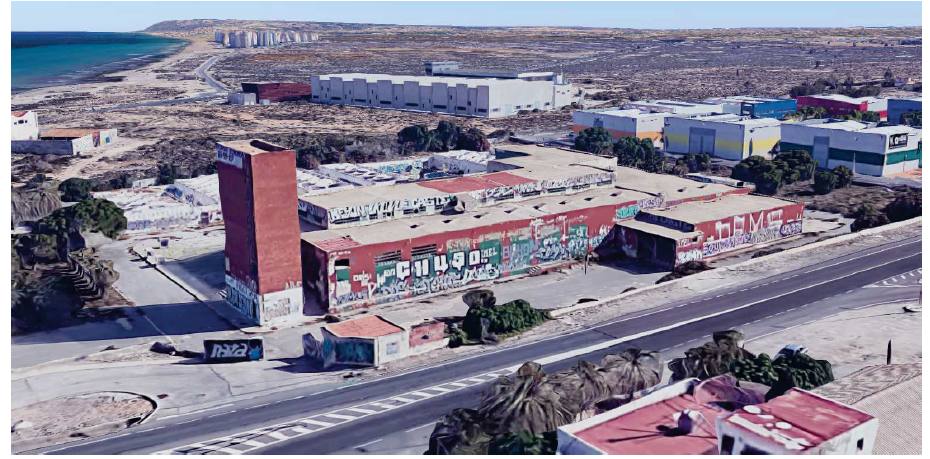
(129,16)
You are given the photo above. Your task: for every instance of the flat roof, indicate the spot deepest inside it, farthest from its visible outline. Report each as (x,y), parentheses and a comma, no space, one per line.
(844,98)
(252,146)
(895,129)
(363,327)
(68,132)
(425,79)
(731,118)
(748,99)
(640,431)
(695,212)
(846,125)
(535,164)
(413,227)
(673,188)
(797,420)
(657,230)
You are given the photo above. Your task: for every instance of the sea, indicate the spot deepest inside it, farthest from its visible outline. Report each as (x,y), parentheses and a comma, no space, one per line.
(41,59)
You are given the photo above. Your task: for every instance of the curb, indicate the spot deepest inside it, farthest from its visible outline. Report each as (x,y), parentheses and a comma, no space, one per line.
(831,241)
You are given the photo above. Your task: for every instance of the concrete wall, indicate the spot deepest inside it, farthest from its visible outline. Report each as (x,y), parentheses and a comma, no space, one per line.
(645,126)
(25,127)
(43,147)
(241,98)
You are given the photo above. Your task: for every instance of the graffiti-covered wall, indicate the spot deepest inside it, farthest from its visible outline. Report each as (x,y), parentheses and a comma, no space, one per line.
(381,273)
(747,229)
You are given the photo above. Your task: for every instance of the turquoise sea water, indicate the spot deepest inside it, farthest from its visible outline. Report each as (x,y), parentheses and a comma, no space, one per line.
(42,59)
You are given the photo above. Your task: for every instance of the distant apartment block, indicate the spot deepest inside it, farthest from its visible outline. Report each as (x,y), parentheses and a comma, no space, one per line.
(261,38)
(479,94)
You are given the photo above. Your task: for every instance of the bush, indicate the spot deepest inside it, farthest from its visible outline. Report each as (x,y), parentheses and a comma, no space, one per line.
(485,319)
(640,154)
(75,189)
(824,182)
(768,176)
(904,207)
(798,370)
(867,216)
(699,162)
(844,176)
(685,269)
(96,215)
(594,140)
(447,136)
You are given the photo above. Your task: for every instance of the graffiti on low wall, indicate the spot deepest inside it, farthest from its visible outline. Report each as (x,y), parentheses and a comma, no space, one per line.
(466,261)
(560,185)
(378,209)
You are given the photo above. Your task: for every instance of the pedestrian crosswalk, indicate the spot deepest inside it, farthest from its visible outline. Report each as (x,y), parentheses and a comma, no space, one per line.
(248,441)
(908,279)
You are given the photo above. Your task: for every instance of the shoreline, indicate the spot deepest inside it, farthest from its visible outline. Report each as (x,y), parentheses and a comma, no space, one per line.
(107,73)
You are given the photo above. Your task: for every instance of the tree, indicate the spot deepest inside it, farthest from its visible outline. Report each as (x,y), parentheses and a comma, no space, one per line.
(446,136)
(888,79)
(167,174)
(523,402)
(904,207)
(711,359)
(473,139)
(594,140)
(867,216)
(844,176)
(524,443)
(96,215)
(75,189)
(912,118)
(639,154)
(786,371)
(697,162)
(824,182)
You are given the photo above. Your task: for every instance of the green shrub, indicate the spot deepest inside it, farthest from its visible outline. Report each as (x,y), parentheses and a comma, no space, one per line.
(75,189)
(824,182)
(594,140)
(502,319)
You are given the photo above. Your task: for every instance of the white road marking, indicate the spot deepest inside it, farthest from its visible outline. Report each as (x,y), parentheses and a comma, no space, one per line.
(340,416)
(276,435)
(361,410)
(369,443)
(316,422)
(592,348)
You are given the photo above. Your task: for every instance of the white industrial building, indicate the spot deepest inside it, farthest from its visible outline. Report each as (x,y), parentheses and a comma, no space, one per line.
(622,122)
(483,97)
(241,98)
(676,107)
(726,136)
(876,151)
(356,174)
(25,125)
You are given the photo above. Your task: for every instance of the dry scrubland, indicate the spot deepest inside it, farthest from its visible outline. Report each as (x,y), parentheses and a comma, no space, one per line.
(612,64)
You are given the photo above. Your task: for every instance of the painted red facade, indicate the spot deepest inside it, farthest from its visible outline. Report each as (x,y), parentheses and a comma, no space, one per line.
(278,92)
(714,237)
(262,230)
(838,107)
(341,274)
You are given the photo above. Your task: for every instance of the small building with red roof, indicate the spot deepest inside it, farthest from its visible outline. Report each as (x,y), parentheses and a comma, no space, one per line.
(798,422)
(371,341)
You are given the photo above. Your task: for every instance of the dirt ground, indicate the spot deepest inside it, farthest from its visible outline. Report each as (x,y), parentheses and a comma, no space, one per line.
(54,421)
(612,64)
(860,337)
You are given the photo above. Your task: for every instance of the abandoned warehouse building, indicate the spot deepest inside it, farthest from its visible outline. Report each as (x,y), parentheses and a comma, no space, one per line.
(533,209)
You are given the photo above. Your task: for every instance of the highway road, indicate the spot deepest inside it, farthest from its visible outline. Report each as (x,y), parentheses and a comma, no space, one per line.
(332,421)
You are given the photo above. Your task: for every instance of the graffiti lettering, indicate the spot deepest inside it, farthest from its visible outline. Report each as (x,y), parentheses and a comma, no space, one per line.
(791,228)
(388,208)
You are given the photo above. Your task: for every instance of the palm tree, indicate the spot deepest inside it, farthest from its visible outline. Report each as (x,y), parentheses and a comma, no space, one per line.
(711,359)
(524,402)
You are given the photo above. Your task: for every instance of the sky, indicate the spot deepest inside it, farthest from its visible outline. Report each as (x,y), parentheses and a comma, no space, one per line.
(131,16)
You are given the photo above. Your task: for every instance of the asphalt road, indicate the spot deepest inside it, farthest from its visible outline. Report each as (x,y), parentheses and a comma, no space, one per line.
(661,328)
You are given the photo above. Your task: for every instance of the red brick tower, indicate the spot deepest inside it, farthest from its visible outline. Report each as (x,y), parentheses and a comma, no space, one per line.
(258,194)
